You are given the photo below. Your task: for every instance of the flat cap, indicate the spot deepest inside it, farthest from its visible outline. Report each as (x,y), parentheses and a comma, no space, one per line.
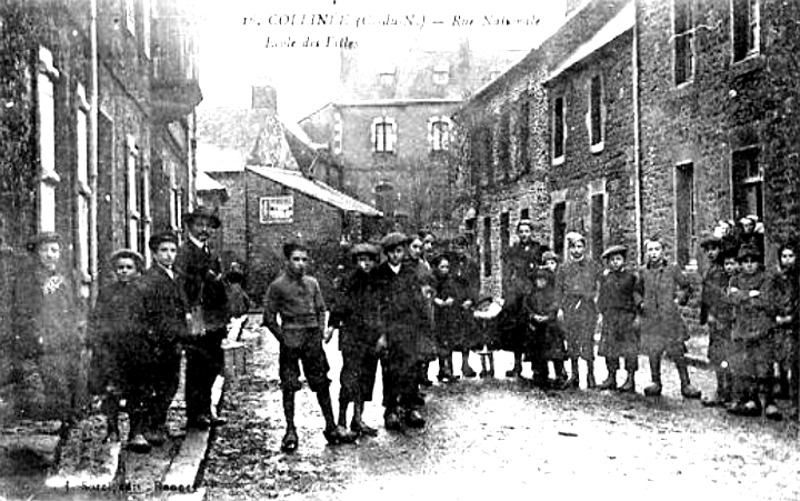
(393,239)
(35,241)
(711,241)
(161,237)
(365,248)
(748,251)
(615,249)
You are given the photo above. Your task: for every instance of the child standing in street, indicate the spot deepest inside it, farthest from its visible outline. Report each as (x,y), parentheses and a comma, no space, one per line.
(619,301)
(577,286)
(782,300)
(445,316)
(358,321)
(165,313)
(716,312)
(751,362)
(295,297)
(663,331)
(545,343)
(115,336)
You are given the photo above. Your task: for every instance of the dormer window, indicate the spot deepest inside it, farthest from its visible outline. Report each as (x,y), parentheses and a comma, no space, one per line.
(441,74)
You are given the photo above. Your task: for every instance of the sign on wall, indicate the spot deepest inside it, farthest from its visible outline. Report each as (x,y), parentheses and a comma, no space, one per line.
(276,210)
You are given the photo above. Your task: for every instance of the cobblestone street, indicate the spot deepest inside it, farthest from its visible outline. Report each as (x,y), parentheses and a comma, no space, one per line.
(490,436)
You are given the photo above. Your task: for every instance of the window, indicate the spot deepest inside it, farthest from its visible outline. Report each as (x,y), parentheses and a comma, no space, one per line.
(505,232)
(598,210)
(487,153)
(441,74)
(524,133)
(525,213)
(748,181)
(384,135)
(439,133)
(746,28)
(83,192)
(559,226)
(134,191)
(504,146)
(487,246)
(130,16)
(596,114)
(683,29)
(48,177)
(685,213)
(559,130)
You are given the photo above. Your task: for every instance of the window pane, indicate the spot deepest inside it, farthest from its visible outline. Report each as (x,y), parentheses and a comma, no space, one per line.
(558,128)
(595,102)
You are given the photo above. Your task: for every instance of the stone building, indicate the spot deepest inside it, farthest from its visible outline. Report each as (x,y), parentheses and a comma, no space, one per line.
(719,120)
(280,185)
(513,165)
(637,118)
(391,131)
(96,128)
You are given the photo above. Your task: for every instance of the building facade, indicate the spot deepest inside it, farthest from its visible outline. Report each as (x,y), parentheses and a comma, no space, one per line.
(392,132)
(96,127)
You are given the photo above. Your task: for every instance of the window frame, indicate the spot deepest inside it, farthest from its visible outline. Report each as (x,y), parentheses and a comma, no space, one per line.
(686,36)
(752,30)
(690,261)
(559,159)
(384,142)
(47,78)
(440,142)
(83,191)
(599,112)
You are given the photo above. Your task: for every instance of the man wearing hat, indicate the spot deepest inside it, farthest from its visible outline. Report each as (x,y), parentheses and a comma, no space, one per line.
(403,314)
(208,303)
(359,330)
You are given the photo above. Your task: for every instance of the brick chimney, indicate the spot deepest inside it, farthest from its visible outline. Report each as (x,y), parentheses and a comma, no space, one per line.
(264,98)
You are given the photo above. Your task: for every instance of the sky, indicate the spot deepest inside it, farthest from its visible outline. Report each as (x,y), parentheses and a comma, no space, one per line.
(247,42)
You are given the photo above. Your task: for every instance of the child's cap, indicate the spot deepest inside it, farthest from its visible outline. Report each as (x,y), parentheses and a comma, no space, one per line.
(392,240)
(549,255)
(44,237)
(746,251)
(614,250)
(127,254)
(365,248)
(164,236)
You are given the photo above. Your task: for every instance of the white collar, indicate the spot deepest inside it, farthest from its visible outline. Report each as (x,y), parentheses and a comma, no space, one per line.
(195,241)
(395,268)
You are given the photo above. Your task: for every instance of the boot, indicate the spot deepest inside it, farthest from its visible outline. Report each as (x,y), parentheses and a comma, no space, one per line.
(629,386)
(517,370)
(610,382)
(466,370)
(573,382)
(654,389)
(687,390)
(590,382)
(561,374)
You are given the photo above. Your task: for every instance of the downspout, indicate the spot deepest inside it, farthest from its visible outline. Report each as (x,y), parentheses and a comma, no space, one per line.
(637,138)
(93,153)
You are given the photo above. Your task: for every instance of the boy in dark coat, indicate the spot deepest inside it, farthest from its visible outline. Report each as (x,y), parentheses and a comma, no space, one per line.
(296,298)
(663,331)
(750,359)
(116,337)
(619,301)
(577,286)
(717,314)
(521,259)
(358,321)
(404,313)
(165,323)
(545,343)
(466,274)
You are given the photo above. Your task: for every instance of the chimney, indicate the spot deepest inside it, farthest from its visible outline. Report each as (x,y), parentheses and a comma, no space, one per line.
(265,98)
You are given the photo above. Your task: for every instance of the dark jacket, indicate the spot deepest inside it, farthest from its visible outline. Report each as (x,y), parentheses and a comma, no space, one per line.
(782,295)
(665,287)
(357,315)
(203,284)
(619,290)
(751,314)
(519,261)
(116,334)
(401,301)
(164,309)
(714,299)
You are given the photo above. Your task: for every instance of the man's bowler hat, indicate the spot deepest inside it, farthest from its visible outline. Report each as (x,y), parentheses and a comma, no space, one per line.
(205,212)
